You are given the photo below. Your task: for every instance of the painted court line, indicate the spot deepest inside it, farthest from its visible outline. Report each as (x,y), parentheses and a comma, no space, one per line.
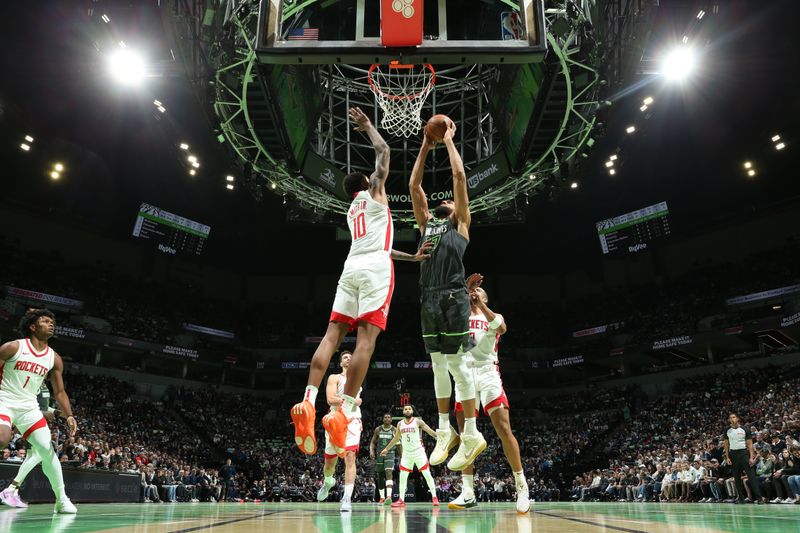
(226,522)
(589,522)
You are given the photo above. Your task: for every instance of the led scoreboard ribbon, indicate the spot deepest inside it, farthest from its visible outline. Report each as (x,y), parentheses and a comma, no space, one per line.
(173,233)
(632,231)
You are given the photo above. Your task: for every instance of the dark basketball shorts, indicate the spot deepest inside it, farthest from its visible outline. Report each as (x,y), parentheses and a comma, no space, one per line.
(445,320)
(384,463)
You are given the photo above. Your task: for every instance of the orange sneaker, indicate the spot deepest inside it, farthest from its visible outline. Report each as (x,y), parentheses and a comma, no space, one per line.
(303,416)
(399,503)
(335,424)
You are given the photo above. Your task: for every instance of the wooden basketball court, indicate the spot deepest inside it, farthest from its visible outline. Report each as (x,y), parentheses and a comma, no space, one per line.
(371,518)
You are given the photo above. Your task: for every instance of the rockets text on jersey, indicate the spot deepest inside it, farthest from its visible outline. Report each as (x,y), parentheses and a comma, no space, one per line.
(22,375)
(371,227)
(486,342)
(410,436)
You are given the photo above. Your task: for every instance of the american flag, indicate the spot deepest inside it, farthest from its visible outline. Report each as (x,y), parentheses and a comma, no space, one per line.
(303,34)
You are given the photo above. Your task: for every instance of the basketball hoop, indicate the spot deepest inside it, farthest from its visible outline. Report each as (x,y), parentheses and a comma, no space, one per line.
(401,91)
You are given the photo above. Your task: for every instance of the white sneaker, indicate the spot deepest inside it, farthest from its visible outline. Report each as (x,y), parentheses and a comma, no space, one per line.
(523,502)
(10,497)
(776,500)
(347,506)
(64,506)
(463,502)
(324,490)
(471,447)
(446,440)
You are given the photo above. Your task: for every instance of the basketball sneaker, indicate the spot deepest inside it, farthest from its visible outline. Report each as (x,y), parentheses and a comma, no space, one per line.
(10,497)
(347,505)
(303,416)
(471,447)
(64,506)
(324,490)
(335,424)
(435,501)
(446,440)
(399,503)
(380,502)
(463,501)
(523,502)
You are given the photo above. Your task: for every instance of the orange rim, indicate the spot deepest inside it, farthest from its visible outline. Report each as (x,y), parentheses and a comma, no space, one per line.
(399,66)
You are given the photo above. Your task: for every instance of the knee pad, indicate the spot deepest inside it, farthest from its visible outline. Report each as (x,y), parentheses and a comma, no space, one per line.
(441,377)
(462,376)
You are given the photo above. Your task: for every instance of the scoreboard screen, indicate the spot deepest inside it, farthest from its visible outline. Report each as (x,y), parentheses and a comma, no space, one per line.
(633,231)
(172,233)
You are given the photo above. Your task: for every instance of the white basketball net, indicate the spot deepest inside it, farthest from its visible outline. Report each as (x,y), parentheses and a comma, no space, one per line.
(401,91)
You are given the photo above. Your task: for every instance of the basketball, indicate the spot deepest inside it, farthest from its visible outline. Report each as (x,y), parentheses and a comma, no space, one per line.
(437,126)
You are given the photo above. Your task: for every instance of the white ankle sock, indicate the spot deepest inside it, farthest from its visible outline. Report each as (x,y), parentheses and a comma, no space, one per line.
(348,405)
(311,394)
(444,421)
(348,491)
(469,426)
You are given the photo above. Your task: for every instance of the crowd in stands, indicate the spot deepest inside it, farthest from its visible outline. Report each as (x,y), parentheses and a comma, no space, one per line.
(666,449)
(673,450)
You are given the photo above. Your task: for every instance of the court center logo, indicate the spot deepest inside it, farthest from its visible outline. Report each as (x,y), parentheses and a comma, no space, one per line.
(404,7)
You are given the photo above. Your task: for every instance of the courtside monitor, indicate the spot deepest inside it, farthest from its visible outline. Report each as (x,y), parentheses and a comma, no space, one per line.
(412,31)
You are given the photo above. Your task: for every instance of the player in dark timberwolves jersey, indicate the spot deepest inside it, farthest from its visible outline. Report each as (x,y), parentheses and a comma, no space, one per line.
(445,304)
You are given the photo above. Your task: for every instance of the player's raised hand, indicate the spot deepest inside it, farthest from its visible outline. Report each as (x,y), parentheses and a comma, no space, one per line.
(474,281)
(360,118)
(451,131)
(428,141)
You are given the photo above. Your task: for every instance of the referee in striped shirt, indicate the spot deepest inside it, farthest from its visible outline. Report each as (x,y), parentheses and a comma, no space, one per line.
(740,454)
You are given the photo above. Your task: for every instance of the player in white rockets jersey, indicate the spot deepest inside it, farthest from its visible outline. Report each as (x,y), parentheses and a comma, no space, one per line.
(486,327)
(410,437)
(25,364)
(334,391)
(363,294)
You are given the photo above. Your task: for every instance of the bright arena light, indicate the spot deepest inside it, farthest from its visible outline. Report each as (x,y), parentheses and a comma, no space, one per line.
(612,171)
(775,138)
(609,164)
(780,146)
(25,147)
(229,186)
(184,146)
(191,158)
(59,167)
(574,185)
(29,138)
(229,178)
(630,129)
(751,172)
(648,100)
(55,175)
(613,157)
(192,172)
(679,63)
(127,67)
(748,164)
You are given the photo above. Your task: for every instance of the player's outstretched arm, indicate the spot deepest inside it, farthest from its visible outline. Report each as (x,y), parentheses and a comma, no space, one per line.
(418,200)
(8,349)
(460,195)
(424,427)
(377,181)
(60,394)
(489,314)
(330,391)
(422,254)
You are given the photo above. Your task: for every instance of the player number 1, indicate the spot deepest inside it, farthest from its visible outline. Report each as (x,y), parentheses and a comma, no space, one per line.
(26,382)
(359,227)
